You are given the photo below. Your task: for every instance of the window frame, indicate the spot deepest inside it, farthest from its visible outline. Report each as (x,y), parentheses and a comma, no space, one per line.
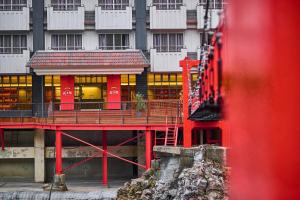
(164,42)
(214,4)
(113,4)
(124,38)
(65,5)
(64,47)
(167,4)
(12,5)
(16,44)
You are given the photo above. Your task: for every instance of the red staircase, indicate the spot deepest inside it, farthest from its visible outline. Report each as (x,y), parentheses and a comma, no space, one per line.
(167,137)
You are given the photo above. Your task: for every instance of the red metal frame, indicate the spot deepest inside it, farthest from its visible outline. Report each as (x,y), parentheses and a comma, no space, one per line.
(186,65)
(148,148)
(58,152)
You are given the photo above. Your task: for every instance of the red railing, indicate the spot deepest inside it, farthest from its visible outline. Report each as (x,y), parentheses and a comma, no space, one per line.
(131,112)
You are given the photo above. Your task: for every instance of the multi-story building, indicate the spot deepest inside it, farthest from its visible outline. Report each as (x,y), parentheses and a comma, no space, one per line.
(89,56)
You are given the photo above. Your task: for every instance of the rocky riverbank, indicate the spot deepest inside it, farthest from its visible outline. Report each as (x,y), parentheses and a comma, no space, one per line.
(205,180)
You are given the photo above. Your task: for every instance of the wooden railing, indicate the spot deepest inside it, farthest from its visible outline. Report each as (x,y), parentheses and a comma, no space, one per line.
(152,112)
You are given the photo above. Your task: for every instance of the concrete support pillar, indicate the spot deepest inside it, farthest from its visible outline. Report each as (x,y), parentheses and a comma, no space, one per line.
(140,153)
(39,155)
(148,153)
(104,159)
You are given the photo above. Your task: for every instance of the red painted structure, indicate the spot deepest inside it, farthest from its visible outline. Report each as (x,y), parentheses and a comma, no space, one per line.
(58,152)
(186,65)
(262,69)
(2,139)
(113,92)
(104,158)
(67,92)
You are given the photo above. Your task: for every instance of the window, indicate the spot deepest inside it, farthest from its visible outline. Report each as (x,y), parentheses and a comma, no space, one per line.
(113,4)
(172,42)
(167,4)
(66,42)
(213,4)
(10,5)
(113,41)
(65,4)
(13,44)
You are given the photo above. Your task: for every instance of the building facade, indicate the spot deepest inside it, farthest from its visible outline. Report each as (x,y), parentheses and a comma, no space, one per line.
(162,31)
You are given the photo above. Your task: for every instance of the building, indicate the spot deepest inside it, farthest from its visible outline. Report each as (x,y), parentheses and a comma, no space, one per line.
(65,63)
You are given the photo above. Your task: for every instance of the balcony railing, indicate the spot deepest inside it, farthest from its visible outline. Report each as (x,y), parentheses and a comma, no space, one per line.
(153,112)
(168,19)
(65,19)
(13,20)
(113,19)
(166,61)
(213,17)
(14,63)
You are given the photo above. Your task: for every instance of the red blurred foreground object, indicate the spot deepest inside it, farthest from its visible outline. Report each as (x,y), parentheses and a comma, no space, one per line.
(262,68)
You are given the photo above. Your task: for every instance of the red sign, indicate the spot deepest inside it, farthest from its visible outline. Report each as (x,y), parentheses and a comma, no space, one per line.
(67,92)
(113,92)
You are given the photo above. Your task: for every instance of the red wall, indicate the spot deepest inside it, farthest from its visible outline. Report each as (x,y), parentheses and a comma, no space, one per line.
(262,72)
(113,91)
(67,92)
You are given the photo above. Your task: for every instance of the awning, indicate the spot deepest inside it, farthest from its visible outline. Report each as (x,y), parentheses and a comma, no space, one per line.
(88,62)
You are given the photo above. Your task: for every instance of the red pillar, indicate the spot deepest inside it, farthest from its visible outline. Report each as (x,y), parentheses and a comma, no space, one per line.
(58,149)
(148,149)
(263,70)
(67,92)
(186,65)
(104,158)
(2,138)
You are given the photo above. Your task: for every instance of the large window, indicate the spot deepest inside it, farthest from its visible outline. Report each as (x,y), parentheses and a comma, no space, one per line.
(213,4)
(113,41)
(167,4)
(65,4)
(13,44)
(113,4)
(10,5)
(172,42)
(15,92)
(66,42)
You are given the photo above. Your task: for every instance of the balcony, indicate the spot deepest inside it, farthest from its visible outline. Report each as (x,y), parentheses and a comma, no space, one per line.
(166,61)
(14,20)
(168,19)
(155,112)
(14,63)
(113,19)
(65,20)
(213,17)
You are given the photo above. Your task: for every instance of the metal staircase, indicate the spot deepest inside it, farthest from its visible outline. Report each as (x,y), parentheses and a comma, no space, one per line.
(167,137)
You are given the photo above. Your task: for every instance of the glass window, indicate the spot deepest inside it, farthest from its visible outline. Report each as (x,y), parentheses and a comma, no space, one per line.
(13,44)
(66,42)
(113,4)
(113,41)
(65,4)
(213,4)
(172,42)
(167,4)
(14,5)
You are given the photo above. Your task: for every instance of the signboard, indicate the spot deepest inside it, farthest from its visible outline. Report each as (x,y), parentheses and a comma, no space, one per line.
(67,92)
(113,92)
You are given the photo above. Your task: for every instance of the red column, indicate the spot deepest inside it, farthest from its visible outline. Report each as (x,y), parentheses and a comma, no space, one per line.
(148,148)
(58,153)
(67,92)
(263,71)
(2,138)
(114,92)
(104,159)
(186,65)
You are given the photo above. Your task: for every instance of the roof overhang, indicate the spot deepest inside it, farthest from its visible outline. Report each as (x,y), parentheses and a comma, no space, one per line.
(88,62)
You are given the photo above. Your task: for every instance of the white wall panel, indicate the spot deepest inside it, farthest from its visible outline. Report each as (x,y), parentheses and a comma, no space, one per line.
(213,17)
(192,40)
(14,20)
(14,63)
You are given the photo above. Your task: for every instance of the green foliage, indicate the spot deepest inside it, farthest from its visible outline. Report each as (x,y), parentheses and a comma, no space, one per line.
(140,102)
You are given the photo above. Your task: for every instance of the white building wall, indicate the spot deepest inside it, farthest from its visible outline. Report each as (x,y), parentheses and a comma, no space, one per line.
(14,63)
(30,41)
(89,5)
(191,40)
(191,4)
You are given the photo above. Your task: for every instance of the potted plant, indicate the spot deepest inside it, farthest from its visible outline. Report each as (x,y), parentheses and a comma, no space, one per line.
(140,104)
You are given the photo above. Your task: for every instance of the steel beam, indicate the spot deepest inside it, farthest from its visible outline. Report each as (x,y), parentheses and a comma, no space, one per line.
(58,149)
(104,158)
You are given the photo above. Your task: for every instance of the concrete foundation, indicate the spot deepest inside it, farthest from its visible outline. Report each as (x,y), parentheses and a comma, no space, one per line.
(59,184)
